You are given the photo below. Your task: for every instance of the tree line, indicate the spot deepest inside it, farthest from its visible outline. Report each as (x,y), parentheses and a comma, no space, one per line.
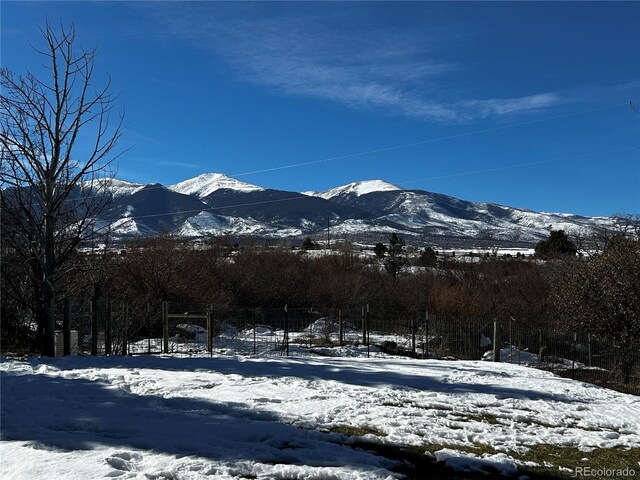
(597,293)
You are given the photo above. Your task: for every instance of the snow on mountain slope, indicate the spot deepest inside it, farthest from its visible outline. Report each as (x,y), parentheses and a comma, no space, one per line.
(363,227)
(116,187)
(207,183)
(437,214)
(129,227)
(206,223)
(214,203)
(356,189)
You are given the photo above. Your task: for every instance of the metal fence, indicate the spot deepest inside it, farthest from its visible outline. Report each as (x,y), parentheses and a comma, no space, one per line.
(284,331)
(74,328)
(189,328)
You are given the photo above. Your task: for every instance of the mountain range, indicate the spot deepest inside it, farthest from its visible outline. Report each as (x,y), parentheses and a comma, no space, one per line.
(366,211)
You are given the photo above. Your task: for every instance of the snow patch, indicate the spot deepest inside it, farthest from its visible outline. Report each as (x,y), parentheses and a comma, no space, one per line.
(207,223)
(117,188)
(126,226)
(207,183)
(358,189)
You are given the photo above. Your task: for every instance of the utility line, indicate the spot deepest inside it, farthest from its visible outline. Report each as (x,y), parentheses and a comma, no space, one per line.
(515,165)
(151,215)
(299,197)
(433,140)
(422,142)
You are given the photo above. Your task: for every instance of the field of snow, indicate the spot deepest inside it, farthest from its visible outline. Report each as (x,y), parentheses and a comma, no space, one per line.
(231,417)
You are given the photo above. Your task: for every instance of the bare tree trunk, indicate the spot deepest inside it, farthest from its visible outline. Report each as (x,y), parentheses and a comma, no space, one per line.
(50,195)
(48,291)
(49,321)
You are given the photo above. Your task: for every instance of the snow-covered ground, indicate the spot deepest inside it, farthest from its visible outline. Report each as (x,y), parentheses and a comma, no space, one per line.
(266,340)
(153,417)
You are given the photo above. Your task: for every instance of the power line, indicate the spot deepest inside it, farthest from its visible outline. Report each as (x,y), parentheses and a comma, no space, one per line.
(422,142)
(248,204)
(395,147)
(433,140)
(298,197)
(516,165)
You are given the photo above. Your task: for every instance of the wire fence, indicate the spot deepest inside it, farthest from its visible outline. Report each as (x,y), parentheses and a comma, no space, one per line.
(145,327)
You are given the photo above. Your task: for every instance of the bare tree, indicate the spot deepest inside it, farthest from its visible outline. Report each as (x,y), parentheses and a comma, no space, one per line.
(627,225)
(600,295)
(55,139)
(594,241)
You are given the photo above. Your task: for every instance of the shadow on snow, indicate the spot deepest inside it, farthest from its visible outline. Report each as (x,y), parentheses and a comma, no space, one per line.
(62,414)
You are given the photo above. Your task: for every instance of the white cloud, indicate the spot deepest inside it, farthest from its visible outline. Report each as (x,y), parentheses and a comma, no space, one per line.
(506,106)
(328,56)
(172,163)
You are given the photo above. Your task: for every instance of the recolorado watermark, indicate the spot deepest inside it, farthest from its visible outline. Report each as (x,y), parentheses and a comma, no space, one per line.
(604,472)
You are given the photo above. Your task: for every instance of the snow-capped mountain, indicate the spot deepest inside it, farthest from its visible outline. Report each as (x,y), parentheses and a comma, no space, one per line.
(152,209)
(355,189)
(215,204)
(418,212)
(280,208)
(114,186)
(207,183)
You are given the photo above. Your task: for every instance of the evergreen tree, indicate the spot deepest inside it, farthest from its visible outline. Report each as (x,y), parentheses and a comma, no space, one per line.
(380,250)
(396,259)
(558,244)
(308,244)
(428,257)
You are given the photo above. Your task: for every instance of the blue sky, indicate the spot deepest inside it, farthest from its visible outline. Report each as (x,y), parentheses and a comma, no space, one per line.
(523,104)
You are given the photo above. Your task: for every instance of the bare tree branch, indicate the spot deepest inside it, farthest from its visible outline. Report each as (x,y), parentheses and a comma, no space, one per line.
(49,198)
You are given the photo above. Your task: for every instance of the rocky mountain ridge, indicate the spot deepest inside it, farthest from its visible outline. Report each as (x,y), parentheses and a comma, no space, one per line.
(215,204)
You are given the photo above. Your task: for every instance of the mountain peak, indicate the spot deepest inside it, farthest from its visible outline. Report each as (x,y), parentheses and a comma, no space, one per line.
(360,188)
(116,187)
(207,183)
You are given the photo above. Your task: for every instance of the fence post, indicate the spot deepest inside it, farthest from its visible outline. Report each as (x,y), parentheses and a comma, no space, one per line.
(425,348)
(511,342)
(340,328)
(107,328)
(496,341)
(66,328)
(149,326)
(368,332)
(286,328)
(165,327)
(413,336)
(125,329)
(590,355)
(540,344)
(573,351)
(364,331)
(209,331)
(96,310)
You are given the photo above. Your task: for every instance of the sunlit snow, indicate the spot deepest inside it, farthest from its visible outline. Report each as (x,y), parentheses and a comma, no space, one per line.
(235,417)
(207,183)
(357,188)
(117,188)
